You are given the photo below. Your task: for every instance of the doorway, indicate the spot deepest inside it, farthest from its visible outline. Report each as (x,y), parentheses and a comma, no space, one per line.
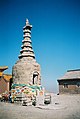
(35,78)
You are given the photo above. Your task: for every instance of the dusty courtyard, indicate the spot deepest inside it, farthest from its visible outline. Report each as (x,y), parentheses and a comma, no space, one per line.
(62,107)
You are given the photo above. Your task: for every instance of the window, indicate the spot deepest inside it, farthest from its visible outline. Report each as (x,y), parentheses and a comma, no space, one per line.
(78,84)
(65,85)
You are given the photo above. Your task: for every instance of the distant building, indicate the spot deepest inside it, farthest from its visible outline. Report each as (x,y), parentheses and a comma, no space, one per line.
(5,80)
(70,82)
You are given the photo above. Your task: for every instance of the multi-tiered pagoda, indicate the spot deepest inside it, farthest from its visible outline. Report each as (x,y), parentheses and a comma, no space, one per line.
(26,70)
(27,50)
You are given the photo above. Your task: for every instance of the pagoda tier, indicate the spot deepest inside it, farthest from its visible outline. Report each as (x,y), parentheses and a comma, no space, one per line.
(26,47)
(27,40)
(26,44)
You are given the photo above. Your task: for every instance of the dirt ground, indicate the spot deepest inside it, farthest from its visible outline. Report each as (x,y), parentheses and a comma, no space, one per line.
(62,107)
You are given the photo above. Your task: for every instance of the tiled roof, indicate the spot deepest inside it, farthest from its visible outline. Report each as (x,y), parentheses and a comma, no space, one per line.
(71,74)
(2,68)
(7,77)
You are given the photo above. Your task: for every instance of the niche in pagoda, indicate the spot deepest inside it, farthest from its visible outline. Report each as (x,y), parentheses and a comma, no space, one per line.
(26,70)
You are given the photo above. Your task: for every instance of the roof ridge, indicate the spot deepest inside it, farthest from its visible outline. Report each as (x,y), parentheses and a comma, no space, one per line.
(73,70)
(7,74)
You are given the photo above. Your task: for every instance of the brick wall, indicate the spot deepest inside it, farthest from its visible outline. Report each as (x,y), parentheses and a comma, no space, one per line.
(69,86)
(4,85)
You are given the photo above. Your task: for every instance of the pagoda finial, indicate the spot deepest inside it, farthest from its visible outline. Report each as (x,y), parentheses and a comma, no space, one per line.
(27,21)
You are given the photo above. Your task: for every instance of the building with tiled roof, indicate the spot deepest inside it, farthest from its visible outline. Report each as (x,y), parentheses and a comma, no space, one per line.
(5,80)
(70,82)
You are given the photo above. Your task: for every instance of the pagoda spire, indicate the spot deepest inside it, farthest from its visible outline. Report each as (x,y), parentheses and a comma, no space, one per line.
(26,48)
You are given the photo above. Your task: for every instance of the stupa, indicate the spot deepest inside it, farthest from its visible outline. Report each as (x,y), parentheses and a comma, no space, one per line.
(26,70)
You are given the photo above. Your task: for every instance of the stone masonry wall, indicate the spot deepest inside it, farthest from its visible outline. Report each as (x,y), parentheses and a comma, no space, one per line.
(23,71)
